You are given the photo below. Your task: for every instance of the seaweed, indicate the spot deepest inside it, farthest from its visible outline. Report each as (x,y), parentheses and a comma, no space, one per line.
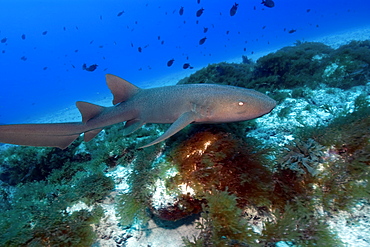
(223,73)
(94,188)
(299,225)
(38,217)
(291,67)
(214,158)
(222,223)
(304,65)
(27,164)
(131,206)
(348,65)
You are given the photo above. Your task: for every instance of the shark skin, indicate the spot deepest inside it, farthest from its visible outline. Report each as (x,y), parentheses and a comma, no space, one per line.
(179,104)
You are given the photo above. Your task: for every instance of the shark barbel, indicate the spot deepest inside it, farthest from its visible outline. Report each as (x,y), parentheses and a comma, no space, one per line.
(179,104)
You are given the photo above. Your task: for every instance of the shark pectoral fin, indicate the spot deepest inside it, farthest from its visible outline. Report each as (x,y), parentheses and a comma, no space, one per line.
(131,126)
(184,120)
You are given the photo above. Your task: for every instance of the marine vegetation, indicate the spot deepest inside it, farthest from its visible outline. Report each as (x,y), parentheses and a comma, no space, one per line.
(306,64)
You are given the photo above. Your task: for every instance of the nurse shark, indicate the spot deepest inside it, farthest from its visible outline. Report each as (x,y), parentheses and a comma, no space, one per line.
(179,105)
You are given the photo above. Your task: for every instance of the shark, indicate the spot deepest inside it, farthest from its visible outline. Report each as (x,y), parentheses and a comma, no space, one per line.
(179,105)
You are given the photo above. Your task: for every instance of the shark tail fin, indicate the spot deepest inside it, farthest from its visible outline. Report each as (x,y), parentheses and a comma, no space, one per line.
(59,135)
(89,111)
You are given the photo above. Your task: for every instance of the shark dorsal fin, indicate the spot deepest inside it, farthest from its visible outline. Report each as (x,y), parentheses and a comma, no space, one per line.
(121,89)
(88,110)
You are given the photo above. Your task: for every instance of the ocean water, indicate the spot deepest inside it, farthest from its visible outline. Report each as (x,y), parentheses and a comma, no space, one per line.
(44,44)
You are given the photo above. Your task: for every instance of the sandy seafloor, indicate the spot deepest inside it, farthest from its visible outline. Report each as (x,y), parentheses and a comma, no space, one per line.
(353,229)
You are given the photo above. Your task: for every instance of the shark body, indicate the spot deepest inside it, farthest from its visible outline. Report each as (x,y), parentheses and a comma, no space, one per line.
(180,105)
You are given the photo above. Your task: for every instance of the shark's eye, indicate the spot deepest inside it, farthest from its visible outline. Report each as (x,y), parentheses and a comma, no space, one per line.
(241,103)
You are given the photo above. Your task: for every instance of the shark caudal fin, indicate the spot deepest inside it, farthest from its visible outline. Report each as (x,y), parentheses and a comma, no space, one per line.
(59,135)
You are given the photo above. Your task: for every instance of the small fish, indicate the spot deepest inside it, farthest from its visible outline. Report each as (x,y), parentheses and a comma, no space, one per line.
(24,58)
(120,13)
(199,12)
(292,31)
(268,3)
(45,68)
(23,36)
(44,32)
(201,41)
(159,37)
(181,11)
(101,17)
(205,29)
(233,9)
(91,68)
(92,41)
(198,1)
(64,28)
(170,62)
(187,65)
(3,40)
(139,49)
(162,42)
(308,10)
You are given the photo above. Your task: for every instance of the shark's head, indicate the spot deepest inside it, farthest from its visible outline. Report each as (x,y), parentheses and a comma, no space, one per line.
(239,104)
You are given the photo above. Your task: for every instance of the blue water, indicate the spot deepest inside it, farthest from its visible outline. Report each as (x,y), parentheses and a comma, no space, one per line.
(42,73)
